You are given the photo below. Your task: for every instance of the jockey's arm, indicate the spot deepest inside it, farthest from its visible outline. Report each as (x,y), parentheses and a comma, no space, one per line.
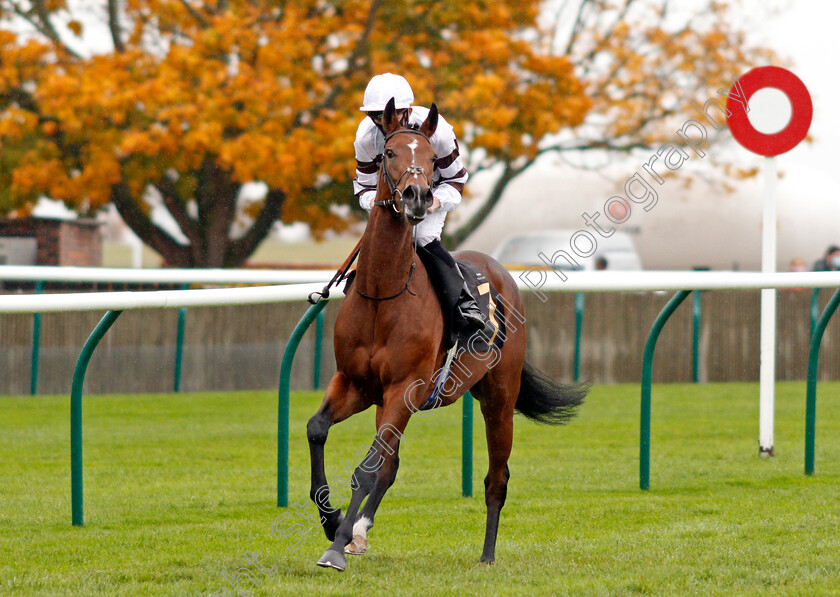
(450,176)
(362,190)
(364,184)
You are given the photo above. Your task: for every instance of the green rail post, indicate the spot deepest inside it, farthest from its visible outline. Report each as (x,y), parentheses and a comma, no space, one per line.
(579,301)
(283,402)
(179,349)
(647,369)
(467,446)
(815,309)
(179,345)
(36,345)
(811,394)
(316,356)
(695,337)
(76,470)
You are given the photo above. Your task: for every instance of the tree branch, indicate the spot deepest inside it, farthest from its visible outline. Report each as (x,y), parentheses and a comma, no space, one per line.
(43,24)
(453,239)
(177,208)
(239,249)
(360,48)
(114,25)
(196,15)
(576,29)
(22,98)
(175,254)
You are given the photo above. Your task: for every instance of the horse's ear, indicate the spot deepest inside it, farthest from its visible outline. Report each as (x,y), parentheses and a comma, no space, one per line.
(429,126)
(390,122)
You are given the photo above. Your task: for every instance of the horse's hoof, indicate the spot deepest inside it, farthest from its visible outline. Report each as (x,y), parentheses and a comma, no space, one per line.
(333,559)
(488,559)
(357,546)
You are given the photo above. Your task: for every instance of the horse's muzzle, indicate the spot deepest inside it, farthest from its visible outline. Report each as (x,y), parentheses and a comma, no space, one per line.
(416,200)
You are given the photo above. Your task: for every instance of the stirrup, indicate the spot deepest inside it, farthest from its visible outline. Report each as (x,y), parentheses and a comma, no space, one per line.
(476,321)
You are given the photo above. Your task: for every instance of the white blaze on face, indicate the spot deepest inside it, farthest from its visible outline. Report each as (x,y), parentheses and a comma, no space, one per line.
(412,146)
(361,527)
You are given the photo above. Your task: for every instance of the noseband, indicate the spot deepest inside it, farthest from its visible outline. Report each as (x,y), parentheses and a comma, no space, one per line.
(396,193)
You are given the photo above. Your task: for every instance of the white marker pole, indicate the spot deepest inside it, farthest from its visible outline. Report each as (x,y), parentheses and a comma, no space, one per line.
(767,374)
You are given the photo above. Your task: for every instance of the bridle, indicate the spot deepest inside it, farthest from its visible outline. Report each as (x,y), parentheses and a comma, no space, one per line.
(396,193)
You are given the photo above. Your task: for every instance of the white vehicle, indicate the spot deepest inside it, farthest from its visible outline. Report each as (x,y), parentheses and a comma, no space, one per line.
(616,252)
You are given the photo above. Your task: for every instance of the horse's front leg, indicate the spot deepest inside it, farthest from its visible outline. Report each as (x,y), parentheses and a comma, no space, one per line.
(341,400)
(386,475)
(371,480)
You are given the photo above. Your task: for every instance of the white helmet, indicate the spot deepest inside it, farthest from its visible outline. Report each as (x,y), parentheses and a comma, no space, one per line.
(384,87)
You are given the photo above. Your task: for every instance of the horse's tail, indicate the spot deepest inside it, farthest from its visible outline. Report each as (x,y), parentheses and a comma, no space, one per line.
(545,401)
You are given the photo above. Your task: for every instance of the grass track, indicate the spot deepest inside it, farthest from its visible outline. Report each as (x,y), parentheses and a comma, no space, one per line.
(179,487)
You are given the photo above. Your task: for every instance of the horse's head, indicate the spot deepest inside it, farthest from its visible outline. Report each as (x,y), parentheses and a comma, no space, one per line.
(409,163)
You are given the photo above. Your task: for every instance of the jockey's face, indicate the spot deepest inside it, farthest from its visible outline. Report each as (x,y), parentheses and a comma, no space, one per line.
(402,116)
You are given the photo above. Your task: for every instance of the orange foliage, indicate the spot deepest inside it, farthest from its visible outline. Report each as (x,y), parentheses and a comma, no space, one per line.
(265,93)
(198,100)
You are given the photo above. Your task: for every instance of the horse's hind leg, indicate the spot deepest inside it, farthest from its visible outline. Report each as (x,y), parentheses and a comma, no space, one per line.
(498,422)
(341,400)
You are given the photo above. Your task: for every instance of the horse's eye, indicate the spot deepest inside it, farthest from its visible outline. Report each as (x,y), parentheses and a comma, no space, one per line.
(389,153)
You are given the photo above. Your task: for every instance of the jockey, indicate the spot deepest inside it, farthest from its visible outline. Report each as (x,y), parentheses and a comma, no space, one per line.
(447,185)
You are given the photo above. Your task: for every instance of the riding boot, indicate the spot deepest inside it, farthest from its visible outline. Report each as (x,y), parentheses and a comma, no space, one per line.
(471,313)
(461,311)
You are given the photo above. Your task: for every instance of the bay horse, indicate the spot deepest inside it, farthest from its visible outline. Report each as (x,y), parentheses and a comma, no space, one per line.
(389,342)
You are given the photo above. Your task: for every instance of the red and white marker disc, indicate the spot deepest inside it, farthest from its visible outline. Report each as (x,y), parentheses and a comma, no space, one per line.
(801,111)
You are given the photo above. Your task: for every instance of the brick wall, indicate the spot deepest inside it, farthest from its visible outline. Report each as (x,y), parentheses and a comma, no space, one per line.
(60,242)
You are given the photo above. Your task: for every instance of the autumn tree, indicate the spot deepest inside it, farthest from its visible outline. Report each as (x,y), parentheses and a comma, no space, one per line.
(192,100)
(189,101)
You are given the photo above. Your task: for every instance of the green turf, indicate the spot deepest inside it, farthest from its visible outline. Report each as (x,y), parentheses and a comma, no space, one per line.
(178,488)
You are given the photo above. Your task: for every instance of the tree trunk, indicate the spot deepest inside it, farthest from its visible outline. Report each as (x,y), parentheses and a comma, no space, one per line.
(209,241)
(453,239)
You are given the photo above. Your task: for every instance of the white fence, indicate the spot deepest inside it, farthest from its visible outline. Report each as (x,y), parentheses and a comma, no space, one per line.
(298,284)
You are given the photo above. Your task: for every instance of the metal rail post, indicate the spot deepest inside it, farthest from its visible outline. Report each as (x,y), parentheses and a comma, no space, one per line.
(76,466)
(696,312)
(647,369)
(283,402)
(467,446)
(579,302)
(36,345)
(316,356)
(179,345)
(811,393)
(179,349)
(815,308)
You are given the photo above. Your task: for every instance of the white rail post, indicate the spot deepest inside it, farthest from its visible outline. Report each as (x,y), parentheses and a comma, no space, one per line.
(767,373)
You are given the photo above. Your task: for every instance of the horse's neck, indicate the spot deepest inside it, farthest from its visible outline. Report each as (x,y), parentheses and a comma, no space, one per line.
(386,254)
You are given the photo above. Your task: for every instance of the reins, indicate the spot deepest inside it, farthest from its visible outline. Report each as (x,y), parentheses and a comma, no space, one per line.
(339,275)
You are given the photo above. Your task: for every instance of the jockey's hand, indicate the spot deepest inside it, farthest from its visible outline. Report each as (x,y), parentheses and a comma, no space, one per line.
(434,206)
